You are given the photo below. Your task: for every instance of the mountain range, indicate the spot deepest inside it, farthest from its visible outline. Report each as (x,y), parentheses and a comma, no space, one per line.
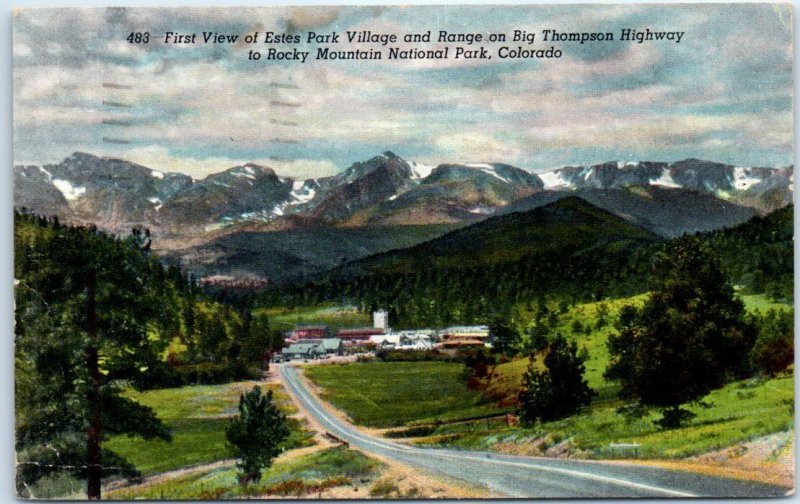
(248,220)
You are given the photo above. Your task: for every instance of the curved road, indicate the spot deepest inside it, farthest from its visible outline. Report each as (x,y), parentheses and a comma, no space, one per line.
(533,477)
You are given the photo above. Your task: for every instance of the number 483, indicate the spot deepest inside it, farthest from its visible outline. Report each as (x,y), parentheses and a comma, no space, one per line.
(139,37)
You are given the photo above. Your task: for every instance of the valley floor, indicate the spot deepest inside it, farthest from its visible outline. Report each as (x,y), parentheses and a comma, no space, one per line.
(313,467)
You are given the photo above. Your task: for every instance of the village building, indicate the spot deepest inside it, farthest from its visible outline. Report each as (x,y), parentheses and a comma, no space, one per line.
(416,342)
(463,336)
(304,332)
(411,340)
(313,348)
(385,340)
(380,320)
(303,350)
(333,346)
(358,336)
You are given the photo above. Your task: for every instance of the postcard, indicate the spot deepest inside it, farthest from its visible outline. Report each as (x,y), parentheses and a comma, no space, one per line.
(404,252)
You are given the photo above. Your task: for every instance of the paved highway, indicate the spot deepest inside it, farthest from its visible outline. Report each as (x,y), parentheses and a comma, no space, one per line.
(533,477)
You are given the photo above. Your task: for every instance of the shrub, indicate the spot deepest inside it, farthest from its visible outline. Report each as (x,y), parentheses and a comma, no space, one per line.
(773,350)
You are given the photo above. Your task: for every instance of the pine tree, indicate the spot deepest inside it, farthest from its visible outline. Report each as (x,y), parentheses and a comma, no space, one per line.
(83,303)
(503,336)
(255,435)
(688,339)
(560,389)
(773,350)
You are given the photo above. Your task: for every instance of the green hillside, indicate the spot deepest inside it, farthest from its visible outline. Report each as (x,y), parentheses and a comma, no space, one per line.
(569,248)
(566,226)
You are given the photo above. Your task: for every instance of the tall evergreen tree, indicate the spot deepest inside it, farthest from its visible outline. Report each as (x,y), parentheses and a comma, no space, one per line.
(560,389)
(688,339)
(83,305)
(773,350)
(255,435)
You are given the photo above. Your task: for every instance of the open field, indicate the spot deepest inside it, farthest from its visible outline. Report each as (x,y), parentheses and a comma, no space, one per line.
(335,317)
(761,303)
(390,394)
(304,475)
(197,417)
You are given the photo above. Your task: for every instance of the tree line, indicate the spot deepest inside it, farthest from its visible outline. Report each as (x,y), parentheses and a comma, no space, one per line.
(757,256)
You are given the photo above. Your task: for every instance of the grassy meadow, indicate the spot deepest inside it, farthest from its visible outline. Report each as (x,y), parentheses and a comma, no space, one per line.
(304,475)
(335,317)
(197,417)
(391,394)
(738,412)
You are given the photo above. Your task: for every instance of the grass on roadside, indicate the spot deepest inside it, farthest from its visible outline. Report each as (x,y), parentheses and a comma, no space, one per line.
(197,417)
(306,475)
(738,412)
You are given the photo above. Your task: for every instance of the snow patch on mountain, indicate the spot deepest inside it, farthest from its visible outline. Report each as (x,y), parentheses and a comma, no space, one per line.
(46,174)
(248,173)
(156,174)
(302,194)
(554,180)
(743,178)
(665,180)
(420,171)
(621,165)
(70,192)
(156,202)
(489,170)
(481,210)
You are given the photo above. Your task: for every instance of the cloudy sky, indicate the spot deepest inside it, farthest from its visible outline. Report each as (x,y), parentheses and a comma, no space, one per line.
(723,93)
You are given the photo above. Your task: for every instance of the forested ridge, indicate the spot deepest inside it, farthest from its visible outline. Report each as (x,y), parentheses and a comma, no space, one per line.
(568,251)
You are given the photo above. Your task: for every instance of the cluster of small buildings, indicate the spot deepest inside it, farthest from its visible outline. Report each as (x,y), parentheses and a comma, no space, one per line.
(318,341)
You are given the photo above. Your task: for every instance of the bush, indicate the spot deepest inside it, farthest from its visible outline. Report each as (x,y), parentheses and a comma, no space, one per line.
(208,373)
(385,489)
(420,431)
(773,350)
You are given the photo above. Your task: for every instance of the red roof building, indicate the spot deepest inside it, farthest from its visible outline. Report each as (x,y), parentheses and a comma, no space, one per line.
(309,332)
(359,335)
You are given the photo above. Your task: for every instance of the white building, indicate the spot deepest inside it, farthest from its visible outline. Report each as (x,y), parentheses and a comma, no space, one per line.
(380,320)
(403,341)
